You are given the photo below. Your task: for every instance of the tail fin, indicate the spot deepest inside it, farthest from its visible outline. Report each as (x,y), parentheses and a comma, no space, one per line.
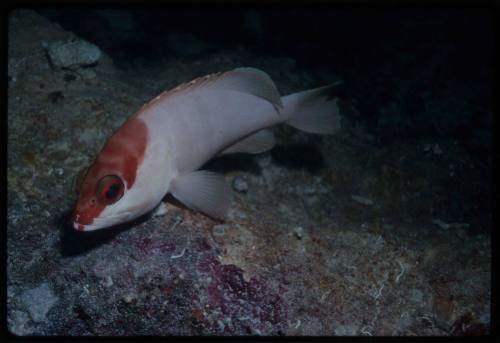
(312,111)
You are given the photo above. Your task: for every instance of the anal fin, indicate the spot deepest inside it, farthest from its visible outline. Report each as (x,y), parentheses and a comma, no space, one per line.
(256,143)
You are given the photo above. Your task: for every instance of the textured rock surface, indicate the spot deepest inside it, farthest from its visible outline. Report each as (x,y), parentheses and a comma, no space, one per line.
(38,301)
(296,255)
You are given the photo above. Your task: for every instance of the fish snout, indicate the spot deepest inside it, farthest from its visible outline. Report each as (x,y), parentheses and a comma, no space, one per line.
(81,220)
(76,219)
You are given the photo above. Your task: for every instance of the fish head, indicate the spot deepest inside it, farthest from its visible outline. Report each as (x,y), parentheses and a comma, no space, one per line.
(102,200)
(113,190)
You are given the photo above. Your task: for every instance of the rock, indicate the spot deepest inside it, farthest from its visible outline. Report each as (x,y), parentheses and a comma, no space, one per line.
(73,54)
(39,301)
(240,184)
(311,200)
(88,74)
(416,296)
(18,322)
(346,330)
(444,308)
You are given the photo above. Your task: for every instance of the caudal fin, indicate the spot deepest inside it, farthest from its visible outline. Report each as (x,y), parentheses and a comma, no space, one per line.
(313,111)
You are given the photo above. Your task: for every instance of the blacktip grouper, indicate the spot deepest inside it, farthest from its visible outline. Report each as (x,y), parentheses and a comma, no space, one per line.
(159,149)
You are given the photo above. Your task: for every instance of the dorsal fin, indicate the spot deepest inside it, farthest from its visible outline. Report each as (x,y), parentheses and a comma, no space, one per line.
(246,80)
(249,80)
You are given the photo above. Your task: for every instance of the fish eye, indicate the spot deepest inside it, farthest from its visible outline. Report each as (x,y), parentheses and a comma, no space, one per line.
(110,189)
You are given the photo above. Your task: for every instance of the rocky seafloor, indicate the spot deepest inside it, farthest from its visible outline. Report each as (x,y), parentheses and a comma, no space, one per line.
(326,235)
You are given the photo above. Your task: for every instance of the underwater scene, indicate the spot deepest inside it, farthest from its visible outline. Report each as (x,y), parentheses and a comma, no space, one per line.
(217,170)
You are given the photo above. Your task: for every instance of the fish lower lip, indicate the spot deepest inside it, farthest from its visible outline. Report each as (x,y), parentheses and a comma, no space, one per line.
(78,226)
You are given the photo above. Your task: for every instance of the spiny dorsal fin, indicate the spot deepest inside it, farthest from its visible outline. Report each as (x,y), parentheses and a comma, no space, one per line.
(249,80)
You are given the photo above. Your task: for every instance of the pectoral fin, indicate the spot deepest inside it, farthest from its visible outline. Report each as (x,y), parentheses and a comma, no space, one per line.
(256,143)
(203,191)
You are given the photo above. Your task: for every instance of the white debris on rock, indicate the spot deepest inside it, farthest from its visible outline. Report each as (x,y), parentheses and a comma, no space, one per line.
(362,200)
(39,301)
(160,210)
(446,226)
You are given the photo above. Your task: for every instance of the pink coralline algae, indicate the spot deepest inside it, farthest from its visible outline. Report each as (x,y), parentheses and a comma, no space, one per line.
(152,246)
(242,307)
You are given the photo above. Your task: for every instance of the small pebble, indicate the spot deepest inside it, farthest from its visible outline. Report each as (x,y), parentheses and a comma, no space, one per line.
(264,161)
(161,210)
(309,190)
(299,232)
(128,298)
(107,281)
(240,184)
(437,150)
(219,230)
(73,53)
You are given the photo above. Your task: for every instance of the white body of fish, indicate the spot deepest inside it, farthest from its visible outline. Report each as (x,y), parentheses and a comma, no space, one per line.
(213,115)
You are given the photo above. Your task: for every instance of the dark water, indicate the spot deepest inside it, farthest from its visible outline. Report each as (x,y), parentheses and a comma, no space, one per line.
(412,57)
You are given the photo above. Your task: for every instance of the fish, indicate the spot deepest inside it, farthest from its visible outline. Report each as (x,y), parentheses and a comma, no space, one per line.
(160,148)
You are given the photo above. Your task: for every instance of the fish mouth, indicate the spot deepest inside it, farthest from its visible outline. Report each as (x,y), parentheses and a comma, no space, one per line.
(102,223)
(84,228)
(94,224)
(78,226)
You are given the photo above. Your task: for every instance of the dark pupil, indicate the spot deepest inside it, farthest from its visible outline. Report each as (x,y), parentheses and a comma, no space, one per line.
(112,191)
